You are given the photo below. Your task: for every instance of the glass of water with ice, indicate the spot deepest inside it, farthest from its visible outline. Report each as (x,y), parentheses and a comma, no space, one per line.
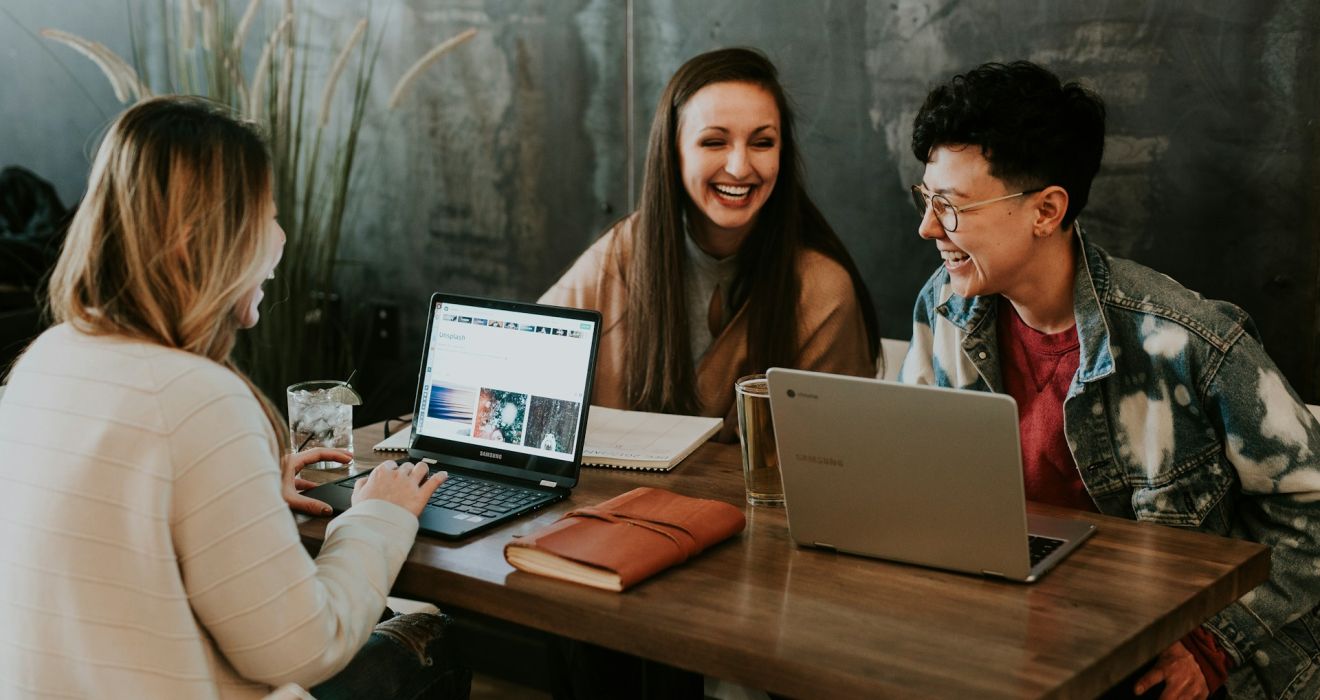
(321,415)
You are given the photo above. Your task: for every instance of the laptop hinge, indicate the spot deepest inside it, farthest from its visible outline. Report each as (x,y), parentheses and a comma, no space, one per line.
(547,483)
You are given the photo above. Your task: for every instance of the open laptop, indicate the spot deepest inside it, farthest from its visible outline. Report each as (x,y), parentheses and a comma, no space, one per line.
(501,404)
(915,474)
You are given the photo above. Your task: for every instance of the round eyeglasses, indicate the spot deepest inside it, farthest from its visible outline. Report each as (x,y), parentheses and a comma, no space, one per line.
(946,212)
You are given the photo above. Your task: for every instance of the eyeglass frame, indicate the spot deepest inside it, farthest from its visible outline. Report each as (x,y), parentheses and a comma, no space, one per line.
(927,197)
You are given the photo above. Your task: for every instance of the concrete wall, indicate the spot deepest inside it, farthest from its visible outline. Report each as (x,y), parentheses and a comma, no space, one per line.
(53,102)
(517,149)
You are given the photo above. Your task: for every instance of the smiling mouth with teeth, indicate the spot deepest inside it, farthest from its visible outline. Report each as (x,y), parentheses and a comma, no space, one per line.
(733,191)
(954,258)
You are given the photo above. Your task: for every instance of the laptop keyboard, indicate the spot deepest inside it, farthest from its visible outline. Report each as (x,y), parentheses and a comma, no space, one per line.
(1042,547)
(487,499)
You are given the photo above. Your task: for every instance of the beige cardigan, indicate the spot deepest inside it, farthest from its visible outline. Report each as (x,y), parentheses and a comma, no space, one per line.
(831,332)
(148,553)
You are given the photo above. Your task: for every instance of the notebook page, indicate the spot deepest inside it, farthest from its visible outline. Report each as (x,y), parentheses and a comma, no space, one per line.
(639,435)
(397,442)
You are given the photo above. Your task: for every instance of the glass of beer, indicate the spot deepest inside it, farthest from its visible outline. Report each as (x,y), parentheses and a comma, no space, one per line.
(757,435)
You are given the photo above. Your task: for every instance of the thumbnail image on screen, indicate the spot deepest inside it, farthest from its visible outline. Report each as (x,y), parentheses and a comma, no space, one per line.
(501,416)
(552,424)
(451,410)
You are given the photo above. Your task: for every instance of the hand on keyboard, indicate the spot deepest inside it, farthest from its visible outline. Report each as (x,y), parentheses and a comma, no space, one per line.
(404,485)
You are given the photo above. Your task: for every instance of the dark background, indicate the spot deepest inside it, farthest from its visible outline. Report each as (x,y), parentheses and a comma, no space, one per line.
(515,151)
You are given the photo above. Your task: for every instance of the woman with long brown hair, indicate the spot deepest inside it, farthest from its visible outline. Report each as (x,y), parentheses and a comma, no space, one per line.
(727,267)
(151,551)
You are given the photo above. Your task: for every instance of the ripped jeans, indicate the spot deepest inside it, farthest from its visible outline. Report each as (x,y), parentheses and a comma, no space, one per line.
(406,658)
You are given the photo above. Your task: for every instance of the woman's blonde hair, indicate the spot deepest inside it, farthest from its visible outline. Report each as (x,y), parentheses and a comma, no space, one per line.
(171,235)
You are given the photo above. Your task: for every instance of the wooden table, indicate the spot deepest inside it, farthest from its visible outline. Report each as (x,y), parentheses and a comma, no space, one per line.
(807,623)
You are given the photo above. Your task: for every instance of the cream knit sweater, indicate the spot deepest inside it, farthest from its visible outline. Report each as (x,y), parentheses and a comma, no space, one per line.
(147,551)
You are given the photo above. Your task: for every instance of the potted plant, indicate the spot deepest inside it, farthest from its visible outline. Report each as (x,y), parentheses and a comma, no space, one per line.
(314,146)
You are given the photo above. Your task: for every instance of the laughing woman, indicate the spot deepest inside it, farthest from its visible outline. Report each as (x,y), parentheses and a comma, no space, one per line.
(151,551)
(726,268)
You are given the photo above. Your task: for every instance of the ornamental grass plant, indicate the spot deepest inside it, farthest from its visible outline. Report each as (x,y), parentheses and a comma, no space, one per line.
(198,47)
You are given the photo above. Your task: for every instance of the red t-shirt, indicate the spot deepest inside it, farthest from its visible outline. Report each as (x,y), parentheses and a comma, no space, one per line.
(1037,369)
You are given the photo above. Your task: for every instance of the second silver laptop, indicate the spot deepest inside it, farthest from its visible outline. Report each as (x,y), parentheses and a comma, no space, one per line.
(915,474)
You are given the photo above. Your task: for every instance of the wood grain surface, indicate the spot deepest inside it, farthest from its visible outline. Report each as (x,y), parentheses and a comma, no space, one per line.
(802,622)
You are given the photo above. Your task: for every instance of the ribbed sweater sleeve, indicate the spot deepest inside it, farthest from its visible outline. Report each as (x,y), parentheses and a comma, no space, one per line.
(275,614)
(149,553)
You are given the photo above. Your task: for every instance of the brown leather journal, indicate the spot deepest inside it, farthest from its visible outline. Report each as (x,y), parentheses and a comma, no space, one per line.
(625,539)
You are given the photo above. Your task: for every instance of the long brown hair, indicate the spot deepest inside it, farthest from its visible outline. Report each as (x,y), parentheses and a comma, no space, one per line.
(661,375)
(171,234)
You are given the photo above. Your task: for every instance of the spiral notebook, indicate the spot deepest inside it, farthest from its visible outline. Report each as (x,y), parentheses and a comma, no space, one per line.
(623,439)
(642,440)
(398,442)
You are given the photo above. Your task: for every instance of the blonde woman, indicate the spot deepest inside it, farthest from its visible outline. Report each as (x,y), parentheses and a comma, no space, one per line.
(150,551)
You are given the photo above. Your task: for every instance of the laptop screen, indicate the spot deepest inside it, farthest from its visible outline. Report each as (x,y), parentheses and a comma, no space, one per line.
(504,386)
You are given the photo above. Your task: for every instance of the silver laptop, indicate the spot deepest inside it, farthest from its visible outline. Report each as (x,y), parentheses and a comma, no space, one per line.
(915,474)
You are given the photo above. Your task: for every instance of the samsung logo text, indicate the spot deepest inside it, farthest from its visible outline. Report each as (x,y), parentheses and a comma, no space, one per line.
(492,455)
(815,459)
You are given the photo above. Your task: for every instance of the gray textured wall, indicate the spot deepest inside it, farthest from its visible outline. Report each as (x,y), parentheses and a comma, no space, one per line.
(518,148)
(53,102)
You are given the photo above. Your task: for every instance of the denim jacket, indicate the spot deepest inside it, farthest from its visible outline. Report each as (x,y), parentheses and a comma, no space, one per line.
(1176,416)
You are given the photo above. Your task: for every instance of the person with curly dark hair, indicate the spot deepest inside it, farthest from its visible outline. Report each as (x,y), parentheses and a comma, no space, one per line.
(1137,397)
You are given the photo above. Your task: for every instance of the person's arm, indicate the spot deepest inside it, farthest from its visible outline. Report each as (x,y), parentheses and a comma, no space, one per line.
(832,331)
(569,290)
(275,615)
(581,286)
(1273,443)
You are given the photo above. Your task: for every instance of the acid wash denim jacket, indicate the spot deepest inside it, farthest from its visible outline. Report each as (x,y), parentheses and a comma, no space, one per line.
(1176,416)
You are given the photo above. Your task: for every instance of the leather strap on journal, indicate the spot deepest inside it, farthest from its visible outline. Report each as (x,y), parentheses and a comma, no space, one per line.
(658,526)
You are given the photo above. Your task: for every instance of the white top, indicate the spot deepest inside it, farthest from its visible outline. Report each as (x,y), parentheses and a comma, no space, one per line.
(147,550)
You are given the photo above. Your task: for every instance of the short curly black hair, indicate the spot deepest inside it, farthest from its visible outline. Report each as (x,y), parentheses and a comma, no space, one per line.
(1034,130)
